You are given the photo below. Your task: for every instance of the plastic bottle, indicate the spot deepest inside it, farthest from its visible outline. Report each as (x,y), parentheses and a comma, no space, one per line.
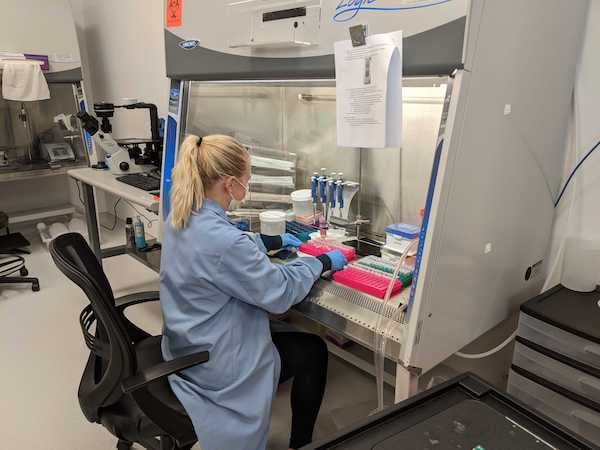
(140,236)
(129,234)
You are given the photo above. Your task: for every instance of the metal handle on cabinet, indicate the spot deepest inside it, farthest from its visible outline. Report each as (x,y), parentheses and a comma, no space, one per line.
(584,416)
(593,350)
(592,383)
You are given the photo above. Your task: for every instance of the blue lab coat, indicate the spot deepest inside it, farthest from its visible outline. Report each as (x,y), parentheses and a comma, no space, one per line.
(217,288)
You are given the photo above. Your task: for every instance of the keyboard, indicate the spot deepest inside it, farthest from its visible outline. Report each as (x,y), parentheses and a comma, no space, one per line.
(140,181)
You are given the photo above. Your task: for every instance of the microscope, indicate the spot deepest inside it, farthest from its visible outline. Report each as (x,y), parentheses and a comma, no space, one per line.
(116,158)
(123,156)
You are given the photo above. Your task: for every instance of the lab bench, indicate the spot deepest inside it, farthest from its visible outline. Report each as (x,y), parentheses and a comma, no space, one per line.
(103,180)
(338,308)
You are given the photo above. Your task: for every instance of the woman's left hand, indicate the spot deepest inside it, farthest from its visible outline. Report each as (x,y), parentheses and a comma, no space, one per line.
(289,241)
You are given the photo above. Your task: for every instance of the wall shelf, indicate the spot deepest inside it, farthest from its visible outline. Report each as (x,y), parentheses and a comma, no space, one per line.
(34,215)
(38,170)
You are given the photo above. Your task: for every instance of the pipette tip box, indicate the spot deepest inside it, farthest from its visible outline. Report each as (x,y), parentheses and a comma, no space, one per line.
(318,247)
(367,282)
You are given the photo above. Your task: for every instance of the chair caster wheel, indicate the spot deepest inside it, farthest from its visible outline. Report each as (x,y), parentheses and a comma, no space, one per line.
(124,445)
(35,287)
(24,272)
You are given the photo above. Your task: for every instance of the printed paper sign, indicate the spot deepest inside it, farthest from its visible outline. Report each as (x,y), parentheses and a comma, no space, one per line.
(369,92)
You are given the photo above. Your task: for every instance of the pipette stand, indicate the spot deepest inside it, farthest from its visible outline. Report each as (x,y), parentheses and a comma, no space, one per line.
(351,188)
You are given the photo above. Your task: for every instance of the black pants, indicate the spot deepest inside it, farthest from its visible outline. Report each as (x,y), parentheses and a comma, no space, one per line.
(303,358)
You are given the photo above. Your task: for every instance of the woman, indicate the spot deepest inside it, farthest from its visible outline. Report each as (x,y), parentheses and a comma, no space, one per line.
(217,288)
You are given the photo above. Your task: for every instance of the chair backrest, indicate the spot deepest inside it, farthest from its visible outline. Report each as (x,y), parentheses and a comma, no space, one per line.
(112,357)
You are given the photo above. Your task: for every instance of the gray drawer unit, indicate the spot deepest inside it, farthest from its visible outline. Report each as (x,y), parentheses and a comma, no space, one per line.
(560,341)
(562,409)
(556,372)
(556,364)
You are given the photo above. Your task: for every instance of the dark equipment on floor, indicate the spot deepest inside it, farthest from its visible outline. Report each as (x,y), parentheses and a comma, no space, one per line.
(462,413)
(124,385)
(12,246)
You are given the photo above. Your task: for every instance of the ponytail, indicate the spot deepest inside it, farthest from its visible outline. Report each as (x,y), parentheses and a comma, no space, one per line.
(200,163)
(187,192)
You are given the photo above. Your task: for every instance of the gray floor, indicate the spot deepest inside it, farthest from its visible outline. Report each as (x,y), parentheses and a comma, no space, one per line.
(43,355)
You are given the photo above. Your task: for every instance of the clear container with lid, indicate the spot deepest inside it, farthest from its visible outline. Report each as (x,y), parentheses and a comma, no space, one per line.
(302,202)
(399,236)
(272,223)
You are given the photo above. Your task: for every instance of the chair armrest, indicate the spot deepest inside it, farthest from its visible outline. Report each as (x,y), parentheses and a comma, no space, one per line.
(164,369)
(134,299)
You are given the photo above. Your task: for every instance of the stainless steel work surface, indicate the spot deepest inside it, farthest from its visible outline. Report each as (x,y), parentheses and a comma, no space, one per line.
(346,311)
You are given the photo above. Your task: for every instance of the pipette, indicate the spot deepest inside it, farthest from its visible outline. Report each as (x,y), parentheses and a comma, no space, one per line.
(314,183)
(340,191)
(331,184)
(323,189)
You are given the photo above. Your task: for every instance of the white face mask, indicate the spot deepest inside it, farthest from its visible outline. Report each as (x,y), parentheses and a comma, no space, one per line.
(237,204)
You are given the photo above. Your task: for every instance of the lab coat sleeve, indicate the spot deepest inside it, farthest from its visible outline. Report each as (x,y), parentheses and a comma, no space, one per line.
(246,274)
(255,237)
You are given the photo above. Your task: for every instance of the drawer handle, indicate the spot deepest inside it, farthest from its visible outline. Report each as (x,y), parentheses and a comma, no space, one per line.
(591,383)
(584,416)
(593,350)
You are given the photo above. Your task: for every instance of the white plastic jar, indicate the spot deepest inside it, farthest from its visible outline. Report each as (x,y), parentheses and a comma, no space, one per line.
(302,202)
(272,223)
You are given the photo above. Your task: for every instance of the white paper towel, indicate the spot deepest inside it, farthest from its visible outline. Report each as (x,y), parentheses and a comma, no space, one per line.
(23,81)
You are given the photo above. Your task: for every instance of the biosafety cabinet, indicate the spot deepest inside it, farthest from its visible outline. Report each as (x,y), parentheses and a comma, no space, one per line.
(486,102)
(41,140)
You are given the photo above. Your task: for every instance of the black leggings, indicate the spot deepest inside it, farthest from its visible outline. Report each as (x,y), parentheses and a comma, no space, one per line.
(303,358)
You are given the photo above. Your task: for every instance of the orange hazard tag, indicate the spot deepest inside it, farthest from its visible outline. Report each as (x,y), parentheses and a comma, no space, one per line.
(174,13)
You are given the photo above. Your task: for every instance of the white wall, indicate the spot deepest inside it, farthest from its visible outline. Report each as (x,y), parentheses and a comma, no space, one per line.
(122,47)
(24,29)
(578,214)
(123,54)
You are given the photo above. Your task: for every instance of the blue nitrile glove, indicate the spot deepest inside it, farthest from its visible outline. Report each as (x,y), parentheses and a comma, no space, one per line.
(338,260)
(289,241)
(333,261)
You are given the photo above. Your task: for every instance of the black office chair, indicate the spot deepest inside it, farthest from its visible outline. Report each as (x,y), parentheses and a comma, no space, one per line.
(124,385)
(12,246)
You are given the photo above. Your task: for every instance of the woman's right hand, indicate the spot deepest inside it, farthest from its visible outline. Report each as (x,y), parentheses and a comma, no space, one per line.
(338,260)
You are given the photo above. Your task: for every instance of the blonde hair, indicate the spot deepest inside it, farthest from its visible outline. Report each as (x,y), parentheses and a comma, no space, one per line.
(200,164)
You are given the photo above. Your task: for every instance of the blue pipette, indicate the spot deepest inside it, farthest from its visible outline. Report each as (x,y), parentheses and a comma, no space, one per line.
(340,191)
(314,183)
(323,189)
(332,188)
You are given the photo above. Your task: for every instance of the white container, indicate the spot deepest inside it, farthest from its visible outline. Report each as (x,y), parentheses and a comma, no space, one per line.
(581,264)
(302,202)
(272,223)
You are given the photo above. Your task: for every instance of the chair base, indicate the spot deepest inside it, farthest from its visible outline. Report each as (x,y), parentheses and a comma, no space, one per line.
(165,443)
(35,283)
(124,445)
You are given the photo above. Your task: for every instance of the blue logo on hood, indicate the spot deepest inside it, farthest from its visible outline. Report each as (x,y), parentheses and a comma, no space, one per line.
(347,10)
(189,45)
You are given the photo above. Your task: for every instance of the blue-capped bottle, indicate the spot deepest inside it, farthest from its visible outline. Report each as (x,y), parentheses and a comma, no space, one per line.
(140,235)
